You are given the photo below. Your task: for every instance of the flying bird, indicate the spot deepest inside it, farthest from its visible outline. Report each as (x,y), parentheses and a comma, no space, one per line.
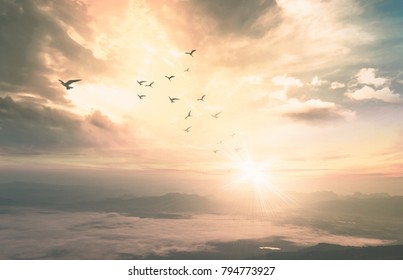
(141,96)
(190,53)
(187,129)
(173,99)
(187,70)
(141,82)
(189,115)
(150,84)
(201,98)
(169,77)
(216,115)
(215,151)
(68,83)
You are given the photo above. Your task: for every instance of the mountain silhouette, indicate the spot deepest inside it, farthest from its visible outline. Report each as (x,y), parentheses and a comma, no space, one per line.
(325,251)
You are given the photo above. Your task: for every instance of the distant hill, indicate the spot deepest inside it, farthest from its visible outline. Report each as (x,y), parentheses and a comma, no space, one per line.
(313,196)
(374,204)
(379,206)
(322,196)
(248,249)
(80,198)
(325,251)
(156,206)
(40,194)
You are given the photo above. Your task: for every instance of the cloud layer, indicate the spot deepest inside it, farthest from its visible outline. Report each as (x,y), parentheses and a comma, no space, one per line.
(35,234)
(47,221)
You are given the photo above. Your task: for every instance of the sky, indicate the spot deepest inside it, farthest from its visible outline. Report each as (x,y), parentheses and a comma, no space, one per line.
(293,112)
(310,94)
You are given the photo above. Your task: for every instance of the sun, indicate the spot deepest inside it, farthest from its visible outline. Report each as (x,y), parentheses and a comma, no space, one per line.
(253,190)
(253,172)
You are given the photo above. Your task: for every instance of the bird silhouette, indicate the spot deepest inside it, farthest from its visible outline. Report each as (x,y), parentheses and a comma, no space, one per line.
(187,129)
(141,82)
(68,83)
(189,115)
(150,84)
(173,99)
(190,53)
(187,70)
(169,77)
(216,115)
(215,151)
(141,96)
(201,98)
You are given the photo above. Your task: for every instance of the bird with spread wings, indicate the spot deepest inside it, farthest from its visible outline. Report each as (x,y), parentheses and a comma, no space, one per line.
(68,83)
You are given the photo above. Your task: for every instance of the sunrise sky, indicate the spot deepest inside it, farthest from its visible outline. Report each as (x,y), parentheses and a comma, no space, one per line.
(310,93)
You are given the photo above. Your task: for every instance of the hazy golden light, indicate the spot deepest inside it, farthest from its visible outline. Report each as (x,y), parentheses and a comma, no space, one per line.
(114,102)
(253,192)
(253,172)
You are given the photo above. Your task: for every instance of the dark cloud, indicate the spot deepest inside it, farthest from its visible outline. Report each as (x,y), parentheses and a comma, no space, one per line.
(33,127)
(240,16)
(315,115)
(199,24)
(35,45)
(313,111)
(99,120)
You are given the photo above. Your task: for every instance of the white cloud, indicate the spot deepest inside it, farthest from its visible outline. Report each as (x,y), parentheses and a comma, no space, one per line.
(336,85)
(254,79)
(384,94)
(280,95)
(312,110)
(367,76)
(286,81)
(317,82)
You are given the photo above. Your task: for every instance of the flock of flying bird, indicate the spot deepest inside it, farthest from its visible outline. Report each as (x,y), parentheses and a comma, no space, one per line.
(68,86)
